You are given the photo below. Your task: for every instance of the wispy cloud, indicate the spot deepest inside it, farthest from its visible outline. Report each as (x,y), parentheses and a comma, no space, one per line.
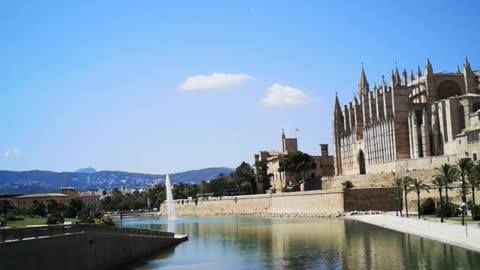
(284,96)
(212,81)
(12,153)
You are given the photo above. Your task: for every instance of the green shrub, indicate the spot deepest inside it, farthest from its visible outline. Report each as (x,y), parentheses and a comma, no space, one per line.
(13,217)
(475,212)
(84,217)
(107,220)
(97,214)
(69,212)
(55,218)
(428,207)
(449,210)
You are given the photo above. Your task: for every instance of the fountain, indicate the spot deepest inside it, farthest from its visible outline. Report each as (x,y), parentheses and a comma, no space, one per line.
(170,203)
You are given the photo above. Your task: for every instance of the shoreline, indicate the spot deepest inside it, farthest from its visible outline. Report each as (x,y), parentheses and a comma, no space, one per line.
(283,214)
(451,234)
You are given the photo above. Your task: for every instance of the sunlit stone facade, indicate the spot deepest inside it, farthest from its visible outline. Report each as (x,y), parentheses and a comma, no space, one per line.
(279,180)
(418,116)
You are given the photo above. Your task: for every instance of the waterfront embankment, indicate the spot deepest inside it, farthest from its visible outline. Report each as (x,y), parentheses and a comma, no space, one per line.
(79,247)
(452,234)
(321,203)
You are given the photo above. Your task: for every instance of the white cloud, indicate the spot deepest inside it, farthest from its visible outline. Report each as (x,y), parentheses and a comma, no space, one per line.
(284,96)
(213,81)
(12,153)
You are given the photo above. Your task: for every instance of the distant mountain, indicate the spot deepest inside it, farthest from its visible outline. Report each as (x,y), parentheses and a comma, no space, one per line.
(47,181)
(86,170)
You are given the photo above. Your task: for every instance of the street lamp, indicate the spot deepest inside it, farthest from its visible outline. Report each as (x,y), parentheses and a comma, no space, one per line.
(463,218)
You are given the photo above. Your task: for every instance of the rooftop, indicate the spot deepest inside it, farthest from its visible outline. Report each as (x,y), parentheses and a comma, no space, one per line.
(39,195)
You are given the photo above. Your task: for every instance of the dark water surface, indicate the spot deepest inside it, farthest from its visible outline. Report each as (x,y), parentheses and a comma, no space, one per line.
(274,243)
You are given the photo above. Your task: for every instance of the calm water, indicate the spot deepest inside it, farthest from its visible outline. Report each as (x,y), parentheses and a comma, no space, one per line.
(273,243)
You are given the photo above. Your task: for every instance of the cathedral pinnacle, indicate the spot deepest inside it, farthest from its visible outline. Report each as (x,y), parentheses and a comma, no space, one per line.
(337,104)
(397,75)
(363,87)
(404,77)
(428,67)
(466,66)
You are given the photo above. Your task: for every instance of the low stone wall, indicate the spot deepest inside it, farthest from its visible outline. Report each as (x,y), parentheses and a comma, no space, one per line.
(88,249)
(376,180)
(365,199)
(308,203)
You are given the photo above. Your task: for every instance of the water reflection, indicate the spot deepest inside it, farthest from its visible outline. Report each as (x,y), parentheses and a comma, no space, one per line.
(264,243)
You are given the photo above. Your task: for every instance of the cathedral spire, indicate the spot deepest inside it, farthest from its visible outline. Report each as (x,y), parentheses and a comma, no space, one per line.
(411,76)
(419,72)
(457,70)
(363,87)
(397,75)
(404,77)
(428,67)
(466,66)
(338,108)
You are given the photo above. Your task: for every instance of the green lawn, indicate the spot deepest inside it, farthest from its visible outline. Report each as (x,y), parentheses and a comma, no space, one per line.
(32,221)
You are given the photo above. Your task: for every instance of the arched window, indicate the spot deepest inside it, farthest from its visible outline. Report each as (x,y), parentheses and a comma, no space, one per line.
(447,89)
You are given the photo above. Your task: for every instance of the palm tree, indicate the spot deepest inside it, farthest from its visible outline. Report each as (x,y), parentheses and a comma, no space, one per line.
(440,183)
(474,180)
(406,181)
(397,196)
(449,173)
(464,165)
(418,186)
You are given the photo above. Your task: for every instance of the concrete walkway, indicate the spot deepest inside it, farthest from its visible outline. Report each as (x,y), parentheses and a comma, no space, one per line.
(452,234)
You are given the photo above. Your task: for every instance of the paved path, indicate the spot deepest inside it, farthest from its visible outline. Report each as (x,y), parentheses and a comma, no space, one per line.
(452,234)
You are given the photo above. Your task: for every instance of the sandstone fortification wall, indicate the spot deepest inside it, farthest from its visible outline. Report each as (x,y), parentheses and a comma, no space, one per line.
(314,203)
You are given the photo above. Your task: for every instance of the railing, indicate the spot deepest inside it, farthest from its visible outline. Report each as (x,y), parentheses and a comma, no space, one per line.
(37,232)
(126,231)
(59,230)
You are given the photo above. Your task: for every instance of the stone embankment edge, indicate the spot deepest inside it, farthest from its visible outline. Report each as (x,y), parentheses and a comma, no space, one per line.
(288,215)
(407,231)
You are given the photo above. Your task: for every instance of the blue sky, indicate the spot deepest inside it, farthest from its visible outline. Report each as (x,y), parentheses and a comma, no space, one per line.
(167,86)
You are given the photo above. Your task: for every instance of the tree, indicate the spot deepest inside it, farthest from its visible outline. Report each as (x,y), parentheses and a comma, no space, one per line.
(464,165)
(53,206)
(156,194)
(55,212)
(474,180)
(296,163)
(449,174)
(74,207)
(440,183)
(418,186)
(244,178)
(219,185)
(261,174)
(397,196)
(5,208)
(406,182)
(347,185)
(38,209)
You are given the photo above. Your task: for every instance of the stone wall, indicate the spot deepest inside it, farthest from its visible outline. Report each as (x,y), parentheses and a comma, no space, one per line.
(320,203)
(365,199)
(89,249)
